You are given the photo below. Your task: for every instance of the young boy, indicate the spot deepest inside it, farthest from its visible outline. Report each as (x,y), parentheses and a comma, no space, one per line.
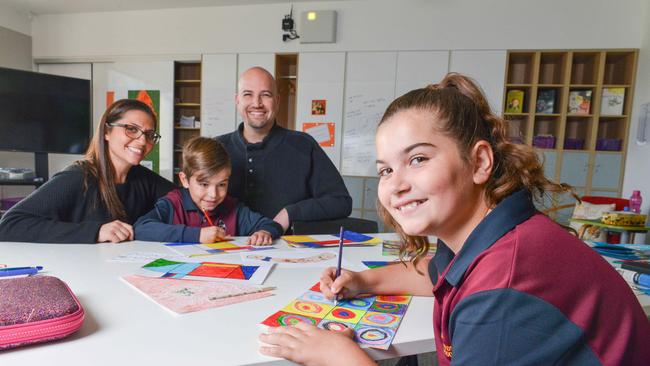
(202,211)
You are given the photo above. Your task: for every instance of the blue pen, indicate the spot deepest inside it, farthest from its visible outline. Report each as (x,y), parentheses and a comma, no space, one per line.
(338,267)
(17,271)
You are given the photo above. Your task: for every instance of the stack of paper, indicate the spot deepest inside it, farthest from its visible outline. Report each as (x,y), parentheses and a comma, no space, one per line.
(623,251)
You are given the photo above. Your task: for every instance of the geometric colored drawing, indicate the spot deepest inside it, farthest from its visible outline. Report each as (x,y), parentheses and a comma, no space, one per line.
(317,297)
(335,326)
(308,308)
(222,245)
(359,303)
(387,307)
(377,337)
(380,319)
(350,238)
(316,287)
(345,315)
(378,264)
(222,271)
(249,271)
(281,319)
(208,270)
(396,299)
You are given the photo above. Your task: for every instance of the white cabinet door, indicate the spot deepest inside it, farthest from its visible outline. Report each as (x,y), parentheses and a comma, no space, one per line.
(575,167)
(607,171)
(549,161)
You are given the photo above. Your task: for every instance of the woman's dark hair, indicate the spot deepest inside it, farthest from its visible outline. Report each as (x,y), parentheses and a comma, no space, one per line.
(461,111)
(97,162)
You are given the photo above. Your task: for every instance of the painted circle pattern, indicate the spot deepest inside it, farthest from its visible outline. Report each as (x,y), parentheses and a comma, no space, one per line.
(308,307)
(382,319)
(293,319)
(385,307)
(392,298)
(374,335)
(359,303)
(343,313)
(334,326)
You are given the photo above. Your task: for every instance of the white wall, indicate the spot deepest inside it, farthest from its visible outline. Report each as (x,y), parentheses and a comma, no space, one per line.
(14,20)
(362,26)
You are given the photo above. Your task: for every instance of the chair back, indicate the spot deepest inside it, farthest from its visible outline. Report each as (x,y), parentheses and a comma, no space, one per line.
(621,203)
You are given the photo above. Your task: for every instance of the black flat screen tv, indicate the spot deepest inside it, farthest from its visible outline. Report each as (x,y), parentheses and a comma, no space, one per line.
(44,113)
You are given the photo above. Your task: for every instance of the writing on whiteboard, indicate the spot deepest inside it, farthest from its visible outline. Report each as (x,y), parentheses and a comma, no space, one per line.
(362,114)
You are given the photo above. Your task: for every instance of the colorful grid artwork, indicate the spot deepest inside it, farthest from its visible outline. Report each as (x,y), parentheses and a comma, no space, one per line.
(350,238)
(164,268)
(198,250)
(374,319)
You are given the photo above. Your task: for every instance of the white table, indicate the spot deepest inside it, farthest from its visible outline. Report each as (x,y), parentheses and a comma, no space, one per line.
(123,327)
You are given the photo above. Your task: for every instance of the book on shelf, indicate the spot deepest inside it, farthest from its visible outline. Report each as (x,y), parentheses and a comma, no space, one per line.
(545,101)
(579,101)
(612,101)
(515,101)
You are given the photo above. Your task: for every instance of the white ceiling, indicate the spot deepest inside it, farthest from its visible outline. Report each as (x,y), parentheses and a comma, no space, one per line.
(41,7)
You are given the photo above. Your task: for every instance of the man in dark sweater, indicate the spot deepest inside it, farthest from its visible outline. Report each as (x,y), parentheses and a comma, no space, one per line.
(280,173)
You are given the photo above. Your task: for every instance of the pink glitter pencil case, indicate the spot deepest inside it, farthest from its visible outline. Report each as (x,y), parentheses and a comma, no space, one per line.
(37,309)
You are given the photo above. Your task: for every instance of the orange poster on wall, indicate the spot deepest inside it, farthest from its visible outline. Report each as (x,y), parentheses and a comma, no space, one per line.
(322,132)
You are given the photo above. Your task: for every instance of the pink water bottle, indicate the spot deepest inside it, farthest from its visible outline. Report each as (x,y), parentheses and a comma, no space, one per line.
(635,202)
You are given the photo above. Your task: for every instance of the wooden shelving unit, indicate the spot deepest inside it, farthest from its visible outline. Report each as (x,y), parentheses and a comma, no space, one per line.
(579,145)
(286,74)
(187,102)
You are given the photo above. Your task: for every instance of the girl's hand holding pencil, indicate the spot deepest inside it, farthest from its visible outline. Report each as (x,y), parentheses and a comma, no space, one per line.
(346,285)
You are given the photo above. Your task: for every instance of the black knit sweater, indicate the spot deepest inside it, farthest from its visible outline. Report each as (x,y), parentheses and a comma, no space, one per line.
(62,211)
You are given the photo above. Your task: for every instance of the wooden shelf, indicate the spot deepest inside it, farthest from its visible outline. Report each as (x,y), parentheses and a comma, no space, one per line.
(187,97)
(584,150)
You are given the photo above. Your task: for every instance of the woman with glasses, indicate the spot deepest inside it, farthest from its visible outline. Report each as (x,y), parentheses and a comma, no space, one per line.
(97,198)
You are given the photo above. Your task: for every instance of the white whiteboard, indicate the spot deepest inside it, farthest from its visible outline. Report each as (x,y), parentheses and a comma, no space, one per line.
(417,69)
(218,89)
(322,78)
(369,88)
(487,67)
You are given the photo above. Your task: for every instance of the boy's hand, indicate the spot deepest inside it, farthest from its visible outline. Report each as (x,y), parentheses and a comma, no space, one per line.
(212,234)
(261,237)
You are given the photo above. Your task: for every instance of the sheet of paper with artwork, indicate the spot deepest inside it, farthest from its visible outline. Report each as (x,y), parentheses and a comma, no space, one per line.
(201,250)
(143,257)
(207,271)
(374,319)
(350,239)
(186,296)
(298,258)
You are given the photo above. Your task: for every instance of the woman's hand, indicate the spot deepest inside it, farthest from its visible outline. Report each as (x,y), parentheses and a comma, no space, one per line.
(115,232)
(261,237)
(311,346)
(212,234)
(347,285)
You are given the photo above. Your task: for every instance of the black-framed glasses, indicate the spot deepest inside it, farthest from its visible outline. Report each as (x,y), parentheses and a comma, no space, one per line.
(135,132)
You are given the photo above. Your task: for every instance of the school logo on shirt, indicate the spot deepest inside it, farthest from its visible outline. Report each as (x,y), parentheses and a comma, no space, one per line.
(446,348)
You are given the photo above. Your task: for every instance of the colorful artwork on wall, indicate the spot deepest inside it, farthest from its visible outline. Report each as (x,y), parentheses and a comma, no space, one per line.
(152,99)
(374,319)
